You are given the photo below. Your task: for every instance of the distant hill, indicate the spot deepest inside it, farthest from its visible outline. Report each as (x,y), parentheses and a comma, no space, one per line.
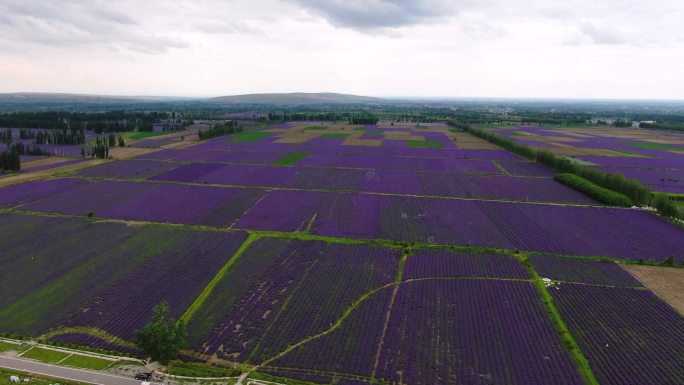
(296,98)
(59,98)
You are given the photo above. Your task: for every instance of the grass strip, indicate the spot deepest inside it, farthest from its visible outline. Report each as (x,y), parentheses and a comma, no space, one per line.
(86,362)
(291,158)
(6,346)
(568,340)
(595,191)
(91,331)
(45,355)
(335,136)
(424,143)
(192,309)
(656,146)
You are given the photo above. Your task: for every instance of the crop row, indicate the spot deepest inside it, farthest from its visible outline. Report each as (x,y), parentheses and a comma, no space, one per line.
(619,233)
(280,292)
(581,271)
(70,272)
(629,336)
(445,332)
(133,201)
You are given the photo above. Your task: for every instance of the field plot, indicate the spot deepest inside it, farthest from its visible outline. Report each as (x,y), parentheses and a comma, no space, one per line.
(592,272)
(434,263)
(628,335)
(619,233)
(217,206)
(666,282)
(433,336)
(55,278)
(280,292)
(439,184)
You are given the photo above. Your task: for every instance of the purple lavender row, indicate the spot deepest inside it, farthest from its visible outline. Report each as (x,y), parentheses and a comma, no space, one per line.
(434,263)
(216,206)
(440,333)
(629,336)
(619,233)
(241,325)
(340,275)
(573,270)
(351,348)
(128,169)
(176,275)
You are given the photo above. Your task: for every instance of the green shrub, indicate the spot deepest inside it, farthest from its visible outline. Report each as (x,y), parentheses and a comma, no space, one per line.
(665,206)
(599,193)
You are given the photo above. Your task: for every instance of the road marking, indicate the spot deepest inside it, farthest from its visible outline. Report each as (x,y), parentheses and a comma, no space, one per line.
(62,360)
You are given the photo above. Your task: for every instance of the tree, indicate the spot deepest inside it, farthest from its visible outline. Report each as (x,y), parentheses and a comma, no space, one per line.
(163,337)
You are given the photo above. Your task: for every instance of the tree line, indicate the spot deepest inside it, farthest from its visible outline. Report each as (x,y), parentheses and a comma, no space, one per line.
(220,130)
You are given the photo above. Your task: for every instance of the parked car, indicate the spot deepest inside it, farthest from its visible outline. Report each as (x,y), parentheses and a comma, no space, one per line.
(143,376)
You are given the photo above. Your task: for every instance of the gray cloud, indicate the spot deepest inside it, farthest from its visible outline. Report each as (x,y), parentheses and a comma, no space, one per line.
(601,35)
(378,14)
(78,23)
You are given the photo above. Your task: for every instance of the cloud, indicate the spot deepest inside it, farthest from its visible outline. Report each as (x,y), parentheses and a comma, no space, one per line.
(601,35)
(78,23)
(378,14)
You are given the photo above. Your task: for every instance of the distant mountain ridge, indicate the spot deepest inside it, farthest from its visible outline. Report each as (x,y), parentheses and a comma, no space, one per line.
(295,98)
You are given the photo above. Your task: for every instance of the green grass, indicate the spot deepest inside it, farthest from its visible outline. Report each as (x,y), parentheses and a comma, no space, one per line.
(425,143)
(316,128)
(45,355)
(217,278)
(86,362)
(656,146)
(568,339)
(143,135)
(291,158)
(374,132)
(334,136)
(249,136)
(6,346)
(35,379)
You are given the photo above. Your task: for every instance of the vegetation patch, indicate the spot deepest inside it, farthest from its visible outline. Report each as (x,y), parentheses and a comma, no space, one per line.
(425,143)
(656,146)
(144,135)
(86,362)
(45,355)
(6,346)
(597,192)
(250,136)
(319,128)
(334,136)
(291,158)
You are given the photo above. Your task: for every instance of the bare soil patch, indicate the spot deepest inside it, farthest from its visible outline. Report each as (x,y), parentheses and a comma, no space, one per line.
(666,282)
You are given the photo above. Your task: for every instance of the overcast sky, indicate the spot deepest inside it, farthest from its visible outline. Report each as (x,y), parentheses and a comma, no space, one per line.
(497,48)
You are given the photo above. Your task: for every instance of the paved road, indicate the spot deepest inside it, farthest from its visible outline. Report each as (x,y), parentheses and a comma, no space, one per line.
(73,374)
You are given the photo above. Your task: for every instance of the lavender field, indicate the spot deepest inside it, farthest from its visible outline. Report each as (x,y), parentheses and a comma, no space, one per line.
(369,254)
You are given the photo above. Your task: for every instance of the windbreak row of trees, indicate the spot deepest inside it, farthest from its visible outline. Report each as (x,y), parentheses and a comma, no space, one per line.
(219,130)
(100,122)
(10,161)
(631,188)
